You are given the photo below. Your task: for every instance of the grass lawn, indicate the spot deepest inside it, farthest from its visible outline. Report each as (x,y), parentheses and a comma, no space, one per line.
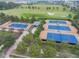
(42,12)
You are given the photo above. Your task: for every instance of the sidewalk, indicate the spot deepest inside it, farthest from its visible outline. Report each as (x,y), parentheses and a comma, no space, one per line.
(11,49)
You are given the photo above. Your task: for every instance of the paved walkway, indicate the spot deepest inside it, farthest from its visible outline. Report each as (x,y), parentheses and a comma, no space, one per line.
(22,56)
(33,30)
(11,49)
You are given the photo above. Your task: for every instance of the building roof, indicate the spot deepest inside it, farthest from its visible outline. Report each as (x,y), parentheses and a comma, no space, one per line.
(36,23)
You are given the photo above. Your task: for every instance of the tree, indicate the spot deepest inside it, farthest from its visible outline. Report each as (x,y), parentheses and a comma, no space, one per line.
(64,46)
(33,7)
(9,42)
(75,50)
(48,8)
(76,16)
(28,39)
(32,19)
(53,8)
(70,16)
(38,8)
(49,52)
(2,14)
(34,50)
(10,5)
(37,33)
(22,18)
(37,40)
(64,9)
(57,8)
(24,45)
(22,48)
(29,7)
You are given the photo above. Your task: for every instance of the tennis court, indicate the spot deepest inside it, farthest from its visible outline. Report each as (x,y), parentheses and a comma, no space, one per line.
(52,27)
(62,37)
(57,22)
(59,30)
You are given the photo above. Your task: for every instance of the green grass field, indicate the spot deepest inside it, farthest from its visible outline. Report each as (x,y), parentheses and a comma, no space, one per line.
(42,12)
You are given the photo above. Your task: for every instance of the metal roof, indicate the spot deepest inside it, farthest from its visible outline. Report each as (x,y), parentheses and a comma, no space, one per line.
(36,23)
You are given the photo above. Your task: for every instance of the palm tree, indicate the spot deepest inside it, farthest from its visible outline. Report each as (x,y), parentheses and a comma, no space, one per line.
(38,7)
(29,7)
(33,7)
(53,8)
(57,8)
(48,8)
(64,9)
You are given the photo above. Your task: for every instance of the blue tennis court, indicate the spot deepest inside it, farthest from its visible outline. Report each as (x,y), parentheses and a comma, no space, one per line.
(62,37)
(18,25)
(52,27)
(57,22)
